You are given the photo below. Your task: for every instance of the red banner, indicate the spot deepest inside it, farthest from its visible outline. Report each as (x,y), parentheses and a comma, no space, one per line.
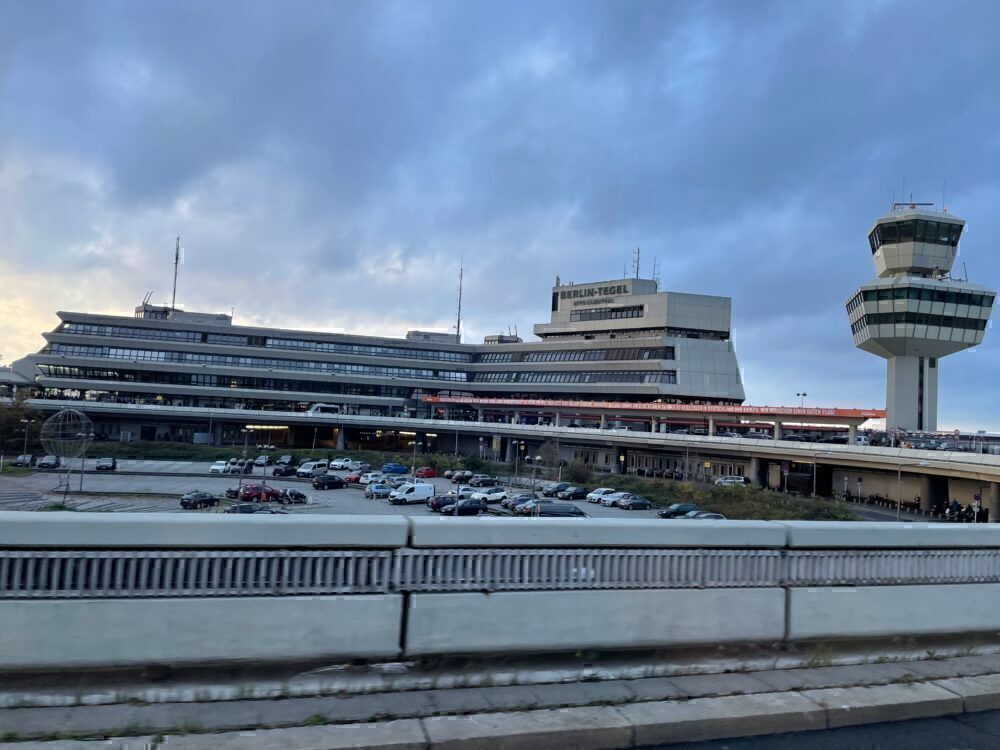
(731,409)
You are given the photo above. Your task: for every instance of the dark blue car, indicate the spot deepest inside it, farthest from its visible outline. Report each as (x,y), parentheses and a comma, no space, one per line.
(394,468)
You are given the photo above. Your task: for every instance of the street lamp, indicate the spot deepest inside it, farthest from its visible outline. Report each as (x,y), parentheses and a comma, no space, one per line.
(899,486)
(518,447)
(534,466)
(246,436)
(87,437)
(26,422)
(413,468)
(802,398)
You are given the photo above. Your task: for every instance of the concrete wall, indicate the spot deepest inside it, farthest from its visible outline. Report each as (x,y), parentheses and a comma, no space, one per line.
(880,483)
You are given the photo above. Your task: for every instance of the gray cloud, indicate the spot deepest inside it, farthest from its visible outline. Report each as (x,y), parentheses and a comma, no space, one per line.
(327,163)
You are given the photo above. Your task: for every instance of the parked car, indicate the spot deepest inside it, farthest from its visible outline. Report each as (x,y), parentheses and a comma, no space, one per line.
(490,494)
(448,473)
(411,493)
(462,492)
(394,468)
(514,500)
(677,510)
(635,502)
(573,493)
(233,492)
(288,460)
(263,460)
(311,469)
(732,480)
(24,461)
(378,491)
(219,467)
(727,434)
(245,508)
(49,462)
(283,470)
(425,472)
(328,482)
(554,489)
(394,480)
(461,477)
(198,499)
(106,464)
(703,515)
(470,507)
(272,511)
(596,495)
(291,495)
(438,502)
(533,506)
(482,480)
(559,510)
(615,499)
(371,476)
(341,463)
(352,478)
(257,493)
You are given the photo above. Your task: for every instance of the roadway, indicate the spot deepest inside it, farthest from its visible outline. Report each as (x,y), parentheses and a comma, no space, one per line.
(970,731)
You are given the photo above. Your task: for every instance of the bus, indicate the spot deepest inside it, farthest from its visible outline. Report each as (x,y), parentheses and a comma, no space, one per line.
(323,409)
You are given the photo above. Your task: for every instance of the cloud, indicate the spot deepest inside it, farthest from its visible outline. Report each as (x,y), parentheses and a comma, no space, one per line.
(328,164)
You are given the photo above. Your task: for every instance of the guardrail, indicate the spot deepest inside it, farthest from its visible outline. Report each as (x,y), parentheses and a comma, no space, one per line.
(98,591)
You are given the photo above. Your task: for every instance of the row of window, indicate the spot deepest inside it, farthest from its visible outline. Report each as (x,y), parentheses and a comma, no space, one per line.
(915,230)
(606,313)
(131,332)
(922,294)
(221,381)
(225,360)
(366,350)
(617,376)
(920,319)
(579,355)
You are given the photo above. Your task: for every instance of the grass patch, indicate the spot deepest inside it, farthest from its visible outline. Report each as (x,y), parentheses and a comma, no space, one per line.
(56,507)
(14,471)
(316,720)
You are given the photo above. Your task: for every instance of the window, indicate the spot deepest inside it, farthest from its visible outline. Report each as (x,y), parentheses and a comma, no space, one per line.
(905,230)
(888,233)
(606,313)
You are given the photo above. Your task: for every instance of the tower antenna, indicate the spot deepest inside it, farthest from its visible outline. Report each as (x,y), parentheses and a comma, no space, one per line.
(635,261)
(458,320)
(177,260)
(656,272)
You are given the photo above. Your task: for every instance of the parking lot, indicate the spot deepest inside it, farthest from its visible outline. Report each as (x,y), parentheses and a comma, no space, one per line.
(125,491)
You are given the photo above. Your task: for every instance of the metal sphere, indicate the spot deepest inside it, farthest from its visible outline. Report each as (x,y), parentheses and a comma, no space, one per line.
(67,433)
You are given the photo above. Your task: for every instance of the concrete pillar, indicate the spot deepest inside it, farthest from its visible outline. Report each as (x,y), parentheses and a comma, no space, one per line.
(777,431)
(604,421)
(992,502)
(555,420)
(479,415)
(852,435)
(616,465)
(925,494)
(711,425)
(755,472)
(340,437)
(517,418)
(654,425)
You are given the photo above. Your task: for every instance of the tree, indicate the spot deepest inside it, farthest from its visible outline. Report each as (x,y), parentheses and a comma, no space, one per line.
(577,472)
(472,463)
(549,453)
(11,429)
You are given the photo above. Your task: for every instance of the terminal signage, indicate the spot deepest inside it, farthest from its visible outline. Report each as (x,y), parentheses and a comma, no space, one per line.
(588,293)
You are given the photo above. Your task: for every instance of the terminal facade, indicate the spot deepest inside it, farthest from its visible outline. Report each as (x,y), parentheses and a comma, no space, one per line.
(621,340)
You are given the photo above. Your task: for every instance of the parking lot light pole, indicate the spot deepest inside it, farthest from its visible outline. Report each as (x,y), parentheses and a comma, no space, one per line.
(83,458)
(26,422)
(413,468)
(239,484)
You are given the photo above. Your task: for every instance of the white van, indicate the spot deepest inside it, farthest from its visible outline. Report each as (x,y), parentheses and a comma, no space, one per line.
(411,493)
(312,469)
(861,440)
(323,409)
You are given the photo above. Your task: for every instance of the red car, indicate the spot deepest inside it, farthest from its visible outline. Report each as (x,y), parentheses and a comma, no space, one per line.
(353,478)
(255,493)
(425,472)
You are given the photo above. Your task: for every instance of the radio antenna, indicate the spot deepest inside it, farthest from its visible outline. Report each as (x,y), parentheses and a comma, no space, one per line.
(656,272)
(177,261)
(458,320)
(635,261)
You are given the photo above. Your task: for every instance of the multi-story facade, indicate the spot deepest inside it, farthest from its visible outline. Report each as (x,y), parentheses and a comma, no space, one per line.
(640,345)
(915,313)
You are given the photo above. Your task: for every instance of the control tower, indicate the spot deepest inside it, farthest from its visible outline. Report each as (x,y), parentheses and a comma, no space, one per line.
(915,312)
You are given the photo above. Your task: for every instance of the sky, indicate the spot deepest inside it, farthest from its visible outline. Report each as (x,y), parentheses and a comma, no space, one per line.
(329,164)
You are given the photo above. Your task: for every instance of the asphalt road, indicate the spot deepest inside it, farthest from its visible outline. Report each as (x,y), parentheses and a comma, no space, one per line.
(113,491)
(977,731)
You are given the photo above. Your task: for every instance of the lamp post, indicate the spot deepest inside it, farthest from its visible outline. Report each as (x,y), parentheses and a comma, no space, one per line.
(413,468)
(802,398)
(518,447)
(534,466)
(899,486)
(88,436)
(246,436)
(26,422)
(480,449)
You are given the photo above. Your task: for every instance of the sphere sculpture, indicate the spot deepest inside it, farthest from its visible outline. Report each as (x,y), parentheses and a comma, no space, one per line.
(67,433)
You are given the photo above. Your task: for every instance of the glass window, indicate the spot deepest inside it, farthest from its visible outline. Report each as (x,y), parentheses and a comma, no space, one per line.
(944,233)
(884,295)
(951,298)
(918,234)
(872,241)
(906,231)
(931,232)
(888,233)
(913,293)
(899,293)
(955,231)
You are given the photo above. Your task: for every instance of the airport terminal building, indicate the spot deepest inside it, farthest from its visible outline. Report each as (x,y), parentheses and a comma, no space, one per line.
(621,340)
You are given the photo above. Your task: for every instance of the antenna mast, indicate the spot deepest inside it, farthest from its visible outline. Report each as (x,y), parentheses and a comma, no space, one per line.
(656,272)
(177,260)
(635,262)
(458,321)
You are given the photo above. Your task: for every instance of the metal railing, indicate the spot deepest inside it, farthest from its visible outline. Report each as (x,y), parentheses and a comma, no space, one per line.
(68,574)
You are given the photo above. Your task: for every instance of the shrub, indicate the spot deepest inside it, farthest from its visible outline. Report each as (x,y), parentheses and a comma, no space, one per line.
(577,472)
